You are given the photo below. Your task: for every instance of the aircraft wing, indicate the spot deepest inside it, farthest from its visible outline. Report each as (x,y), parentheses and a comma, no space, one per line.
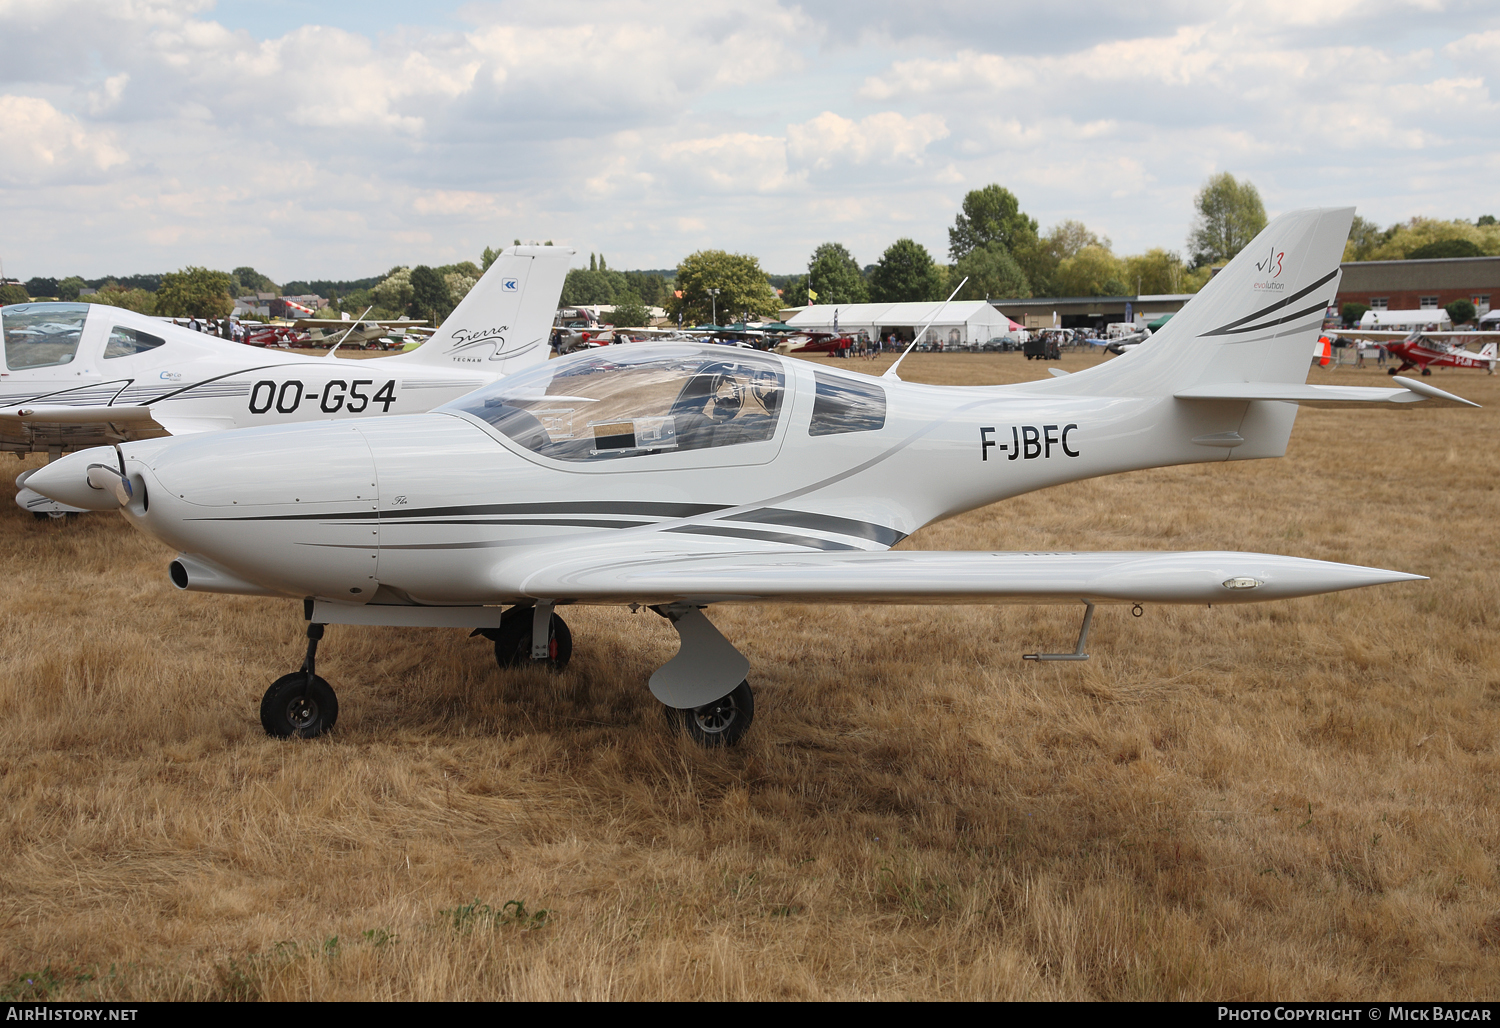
(139,421)
(1334,397)
(623,573)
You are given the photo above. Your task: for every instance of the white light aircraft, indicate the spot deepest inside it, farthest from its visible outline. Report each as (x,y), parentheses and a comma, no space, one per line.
(76,375)
(678,476)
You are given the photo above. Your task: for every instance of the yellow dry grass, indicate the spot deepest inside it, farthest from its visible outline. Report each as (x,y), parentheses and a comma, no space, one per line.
(1289,800)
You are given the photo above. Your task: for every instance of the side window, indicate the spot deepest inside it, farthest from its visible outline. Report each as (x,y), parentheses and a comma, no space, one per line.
(125,341)
(843,406)
(42,335)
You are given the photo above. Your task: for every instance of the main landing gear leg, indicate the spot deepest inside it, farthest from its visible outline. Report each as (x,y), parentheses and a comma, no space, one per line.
(301,703)
(531,636)
(1083,639)
(698,686)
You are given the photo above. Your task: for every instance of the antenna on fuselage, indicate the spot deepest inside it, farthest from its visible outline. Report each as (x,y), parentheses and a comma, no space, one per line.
(890,372)
(352,326)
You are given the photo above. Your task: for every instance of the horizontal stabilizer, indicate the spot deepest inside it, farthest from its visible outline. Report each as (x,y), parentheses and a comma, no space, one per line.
(906,576)
(1334,397)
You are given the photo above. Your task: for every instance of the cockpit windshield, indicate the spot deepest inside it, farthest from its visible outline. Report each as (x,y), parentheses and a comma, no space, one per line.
(628,401)
(41,335)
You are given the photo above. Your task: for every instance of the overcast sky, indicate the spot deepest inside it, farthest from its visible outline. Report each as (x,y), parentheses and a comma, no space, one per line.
(334,140)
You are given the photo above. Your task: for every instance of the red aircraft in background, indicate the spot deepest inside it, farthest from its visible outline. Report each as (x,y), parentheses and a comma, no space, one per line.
(1428,350)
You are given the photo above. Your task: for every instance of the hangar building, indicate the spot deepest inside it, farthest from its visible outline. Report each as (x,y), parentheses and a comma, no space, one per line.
(1421,285)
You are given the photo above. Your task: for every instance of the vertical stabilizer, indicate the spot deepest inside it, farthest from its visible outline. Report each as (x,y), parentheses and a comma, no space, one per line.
(1255,321)
(503,324)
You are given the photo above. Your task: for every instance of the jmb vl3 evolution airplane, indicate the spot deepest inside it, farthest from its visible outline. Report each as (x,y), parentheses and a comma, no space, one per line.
(76,375)
(677,476)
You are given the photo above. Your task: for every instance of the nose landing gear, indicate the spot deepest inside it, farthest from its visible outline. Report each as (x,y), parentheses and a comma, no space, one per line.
(300,704)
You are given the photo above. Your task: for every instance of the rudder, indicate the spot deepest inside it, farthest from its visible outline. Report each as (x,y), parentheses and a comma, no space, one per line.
(504,322)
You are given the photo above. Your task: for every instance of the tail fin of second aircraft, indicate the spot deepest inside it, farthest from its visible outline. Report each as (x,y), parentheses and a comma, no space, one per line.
(504,322)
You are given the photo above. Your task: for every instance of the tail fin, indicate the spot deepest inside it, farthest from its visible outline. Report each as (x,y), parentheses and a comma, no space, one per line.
(1255,321)
(1487,351)
(504,322)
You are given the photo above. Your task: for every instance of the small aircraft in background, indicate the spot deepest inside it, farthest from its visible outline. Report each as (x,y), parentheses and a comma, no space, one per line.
(677,476)
(77,375)
(1424,349)
(391,334)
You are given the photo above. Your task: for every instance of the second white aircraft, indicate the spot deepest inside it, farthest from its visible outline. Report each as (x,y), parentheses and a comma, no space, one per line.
(76,375)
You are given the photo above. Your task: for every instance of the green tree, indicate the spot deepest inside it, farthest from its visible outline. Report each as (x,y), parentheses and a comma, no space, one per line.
(1364,237)
(1420,235)
(652,289)
(1039,257)
(251,281)
(738,277)
(138,300)
(991,272)
(989,215)
(488,257)
(794,292)
(833,273)
(68,288)
(12,293)
(589,287)
(392,296)
(906,272)
(1154,272)
(1350,313)
(41,286)
(1461,311)
(195,292)
(1484,220)
(1230,214)
(630,312)
(430,298)
(1445,248)
(1092,271)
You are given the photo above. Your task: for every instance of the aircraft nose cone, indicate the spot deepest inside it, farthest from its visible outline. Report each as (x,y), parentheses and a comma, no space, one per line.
(67,480)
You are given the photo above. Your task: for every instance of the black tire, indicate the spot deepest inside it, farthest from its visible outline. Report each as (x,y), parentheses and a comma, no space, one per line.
(287,711)
(513,642)
(1390,371)
(1426,371)
(723,722)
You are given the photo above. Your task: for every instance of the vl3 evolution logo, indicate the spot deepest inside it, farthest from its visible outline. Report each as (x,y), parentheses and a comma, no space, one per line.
(1271,268)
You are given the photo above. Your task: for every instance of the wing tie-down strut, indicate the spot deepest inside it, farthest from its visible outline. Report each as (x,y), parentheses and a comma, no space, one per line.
(1083,638)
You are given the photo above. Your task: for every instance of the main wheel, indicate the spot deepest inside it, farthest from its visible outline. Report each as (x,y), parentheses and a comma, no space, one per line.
(723,722)
(1390,371)
(513,642)
(1426,371)
(295,706)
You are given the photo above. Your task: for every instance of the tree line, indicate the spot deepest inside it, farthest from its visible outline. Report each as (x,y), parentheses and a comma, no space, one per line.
(993,243)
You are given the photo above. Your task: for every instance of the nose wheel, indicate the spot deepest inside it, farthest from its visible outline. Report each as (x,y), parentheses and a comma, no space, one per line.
(720,723)
(300,704)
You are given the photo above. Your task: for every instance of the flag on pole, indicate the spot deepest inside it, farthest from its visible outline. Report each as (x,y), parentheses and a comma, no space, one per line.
(812,296)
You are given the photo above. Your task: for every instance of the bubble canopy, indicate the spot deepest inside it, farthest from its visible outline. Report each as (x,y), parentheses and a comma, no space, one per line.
(634,400)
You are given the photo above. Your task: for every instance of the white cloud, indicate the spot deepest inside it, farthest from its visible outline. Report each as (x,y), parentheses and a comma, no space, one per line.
(830,140)
(649,129)
(45,145)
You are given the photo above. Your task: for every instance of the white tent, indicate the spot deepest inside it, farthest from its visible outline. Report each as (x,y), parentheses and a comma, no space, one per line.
(961,323)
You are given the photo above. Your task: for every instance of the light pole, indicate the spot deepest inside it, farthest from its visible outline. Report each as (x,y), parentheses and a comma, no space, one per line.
(713,295)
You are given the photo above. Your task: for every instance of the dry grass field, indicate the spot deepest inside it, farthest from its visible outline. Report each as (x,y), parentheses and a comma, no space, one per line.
(1285,800)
